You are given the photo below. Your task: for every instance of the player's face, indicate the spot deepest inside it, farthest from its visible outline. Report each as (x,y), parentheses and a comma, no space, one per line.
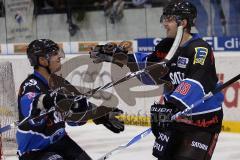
(170,25)
(55,62)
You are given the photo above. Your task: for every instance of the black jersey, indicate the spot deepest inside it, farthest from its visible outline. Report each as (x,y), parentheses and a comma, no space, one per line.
(38,134)
(192,73)
(194,60)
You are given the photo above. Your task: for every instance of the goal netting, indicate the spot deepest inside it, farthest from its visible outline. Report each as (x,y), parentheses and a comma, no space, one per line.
(8,109)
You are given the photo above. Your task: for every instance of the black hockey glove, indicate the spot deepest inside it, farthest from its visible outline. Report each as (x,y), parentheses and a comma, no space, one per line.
(64,102)
(110,52)
(160,118)
(110,121)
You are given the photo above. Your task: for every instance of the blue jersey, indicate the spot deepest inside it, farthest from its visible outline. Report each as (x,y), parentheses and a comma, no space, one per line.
(40,133)
(192,73)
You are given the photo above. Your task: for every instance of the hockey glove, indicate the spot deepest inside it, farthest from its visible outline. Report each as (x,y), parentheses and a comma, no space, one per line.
(160,118)
(65,103)
(110,121)
(110,52)
(100,115)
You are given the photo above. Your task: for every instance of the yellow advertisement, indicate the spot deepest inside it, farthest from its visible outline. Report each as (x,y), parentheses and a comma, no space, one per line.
(20,48)
(86,46)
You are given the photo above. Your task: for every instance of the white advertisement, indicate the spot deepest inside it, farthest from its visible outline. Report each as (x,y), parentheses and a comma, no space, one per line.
(19,19)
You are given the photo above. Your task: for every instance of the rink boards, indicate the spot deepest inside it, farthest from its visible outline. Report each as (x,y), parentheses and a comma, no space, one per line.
(132,96)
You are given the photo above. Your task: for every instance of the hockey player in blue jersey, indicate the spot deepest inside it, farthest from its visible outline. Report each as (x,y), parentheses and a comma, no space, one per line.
(192,75)
(44,137)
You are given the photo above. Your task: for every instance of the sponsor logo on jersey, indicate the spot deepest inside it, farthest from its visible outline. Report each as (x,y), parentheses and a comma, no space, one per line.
(176,77)
(163,137)
(31,95)
(200,122)
(182,62)
(158,146)
(31,82)
(199,145)
(200,55)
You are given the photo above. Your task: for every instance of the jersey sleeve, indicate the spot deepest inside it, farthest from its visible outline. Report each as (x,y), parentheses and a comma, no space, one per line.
(139,61)
(28,101)
(202,67)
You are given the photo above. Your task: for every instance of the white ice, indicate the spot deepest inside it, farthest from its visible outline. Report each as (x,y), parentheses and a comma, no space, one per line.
(96,140)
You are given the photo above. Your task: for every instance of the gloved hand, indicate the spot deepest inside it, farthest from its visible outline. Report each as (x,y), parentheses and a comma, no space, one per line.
(65,102)
(160,118)
(111,52)
(110,121)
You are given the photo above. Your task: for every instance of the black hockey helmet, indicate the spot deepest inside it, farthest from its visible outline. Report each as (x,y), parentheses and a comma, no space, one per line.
(41,48)
(180,10)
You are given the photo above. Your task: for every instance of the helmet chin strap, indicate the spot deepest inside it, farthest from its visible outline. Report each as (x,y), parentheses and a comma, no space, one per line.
(46,67)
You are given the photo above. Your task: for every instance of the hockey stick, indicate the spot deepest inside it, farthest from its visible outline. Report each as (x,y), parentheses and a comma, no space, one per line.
(16,123)
(111,84)
(132,75)
(207,96)
(131,142)
(147,69)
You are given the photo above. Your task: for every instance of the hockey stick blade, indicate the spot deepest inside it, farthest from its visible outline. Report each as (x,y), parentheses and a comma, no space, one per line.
(131,142)
(7,127)
(207,96)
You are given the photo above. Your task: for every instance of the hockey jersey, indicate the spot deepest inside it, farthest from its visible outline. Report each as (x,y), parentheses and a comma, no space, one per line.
(192,73)
(38,134)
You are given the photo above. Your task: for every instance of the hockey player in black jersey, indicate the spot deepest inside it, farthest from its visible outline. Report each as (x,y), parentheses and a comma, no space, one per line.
(192,75)
(44,137)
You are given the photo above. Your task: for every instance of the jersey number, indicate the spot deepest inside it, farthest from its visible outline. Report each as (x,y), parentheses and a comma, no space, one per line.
(183,88)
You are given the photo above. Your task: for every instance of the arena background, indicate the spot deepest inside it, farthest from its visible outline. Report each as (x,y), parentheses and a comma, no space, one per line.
(22,21)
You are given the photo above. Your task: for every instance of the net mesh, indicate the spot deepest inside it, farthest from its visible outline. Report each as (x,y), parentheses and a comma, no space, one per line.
(8,108)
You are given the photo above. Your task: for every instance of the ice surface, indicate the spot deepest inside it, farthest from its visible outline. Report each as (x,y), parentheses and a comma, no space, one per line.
(96,140)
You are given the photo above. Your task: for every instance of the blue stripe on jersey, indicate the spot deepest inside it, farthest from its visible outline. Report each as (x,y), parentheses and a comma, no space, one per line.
(141,59)
(189,91)
(30,141)
(26,103)
(211,105)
